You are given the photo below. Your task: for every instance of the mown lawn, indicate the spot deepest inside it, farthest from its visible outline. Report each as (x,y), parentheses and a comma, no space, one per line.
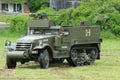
(108,68)
(111,46)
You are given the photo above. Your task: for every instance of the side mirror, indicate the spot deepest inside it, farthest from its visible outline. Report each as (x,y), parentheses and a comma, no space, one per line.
(66,33)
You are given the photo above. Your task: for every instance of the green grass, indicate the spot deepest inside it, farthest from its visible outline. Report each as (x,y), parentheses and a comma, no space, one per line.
(111,46)
(5,17)
(108,68)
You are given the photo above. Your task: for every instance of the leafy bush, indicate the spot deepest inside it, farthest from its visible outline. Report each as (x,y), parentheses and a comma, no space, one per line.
(5,17)
(108,35)
(35,5)
(19,24)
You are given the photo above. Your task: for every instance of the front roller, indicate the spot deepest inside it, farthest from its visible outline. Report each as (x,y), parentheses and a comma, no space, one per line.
(44,59)
(74,59)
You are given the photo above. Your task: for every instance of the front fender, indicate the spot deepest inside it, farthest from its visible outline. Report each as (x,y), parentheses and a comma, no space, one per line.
(41,46)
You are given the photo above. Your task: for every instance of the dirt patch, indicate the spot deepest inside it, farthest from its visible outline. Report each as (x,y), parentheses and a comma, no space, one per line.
(110,54)
(8,74)
(67,75)
(58,71)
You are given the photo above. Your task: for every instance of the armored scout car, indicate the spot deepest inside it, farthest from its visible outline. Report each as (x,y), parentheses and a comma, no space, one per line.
(46,42)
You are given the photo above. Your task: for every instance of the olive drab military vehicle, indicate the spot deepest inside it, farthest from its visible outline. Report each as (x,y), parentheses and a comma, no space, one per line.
(46,42)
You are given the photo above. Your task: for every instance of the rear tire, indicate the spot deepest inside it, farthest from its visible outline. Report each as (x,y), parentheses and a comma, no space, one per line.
(44,59)
(11,63)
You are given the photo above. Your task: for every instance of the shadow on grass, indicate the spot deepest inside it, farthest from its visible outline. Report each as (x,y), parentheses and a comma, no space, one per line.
(35,65)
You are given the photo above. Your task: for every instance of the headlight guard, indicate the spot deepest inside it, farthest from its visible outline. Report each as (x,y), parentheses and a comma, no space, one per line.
(7,43)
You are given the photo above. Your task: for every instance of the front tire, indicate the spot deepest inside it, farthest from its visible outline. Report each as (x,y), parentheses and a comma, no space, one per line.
(44,59)
(11,63)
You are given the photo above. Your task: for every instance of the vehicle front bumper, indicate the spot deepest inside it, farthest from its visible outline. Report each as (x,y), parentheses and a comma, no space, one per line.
(17,54)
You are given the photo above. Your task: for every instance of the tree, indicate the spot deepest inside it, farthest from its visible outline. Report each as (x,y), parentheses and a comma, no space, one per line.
(35,5)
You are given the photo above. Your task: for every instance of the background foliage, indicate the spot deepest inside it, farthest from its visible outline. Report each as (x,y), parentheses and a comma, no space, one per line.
(35,5)
(18,1)
(19,24)
(105,13)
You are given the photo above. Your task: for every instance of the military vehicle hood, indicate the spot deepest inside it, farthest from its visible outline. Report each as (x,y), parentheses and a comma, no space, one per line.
(31,38)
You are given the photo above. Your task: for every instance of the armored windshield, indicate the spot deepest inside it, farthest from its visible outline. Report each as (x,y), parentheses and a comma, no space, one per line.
(44,32)
(36,32)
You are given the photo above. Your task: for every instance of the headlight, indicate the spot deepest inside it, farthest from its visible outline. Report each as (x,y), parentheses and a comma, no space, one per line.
(40,42)
(7,43)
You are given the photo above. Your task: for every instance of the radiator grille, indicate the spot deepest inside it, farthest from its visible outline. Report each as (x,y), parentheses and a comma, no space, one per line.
(23,46)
